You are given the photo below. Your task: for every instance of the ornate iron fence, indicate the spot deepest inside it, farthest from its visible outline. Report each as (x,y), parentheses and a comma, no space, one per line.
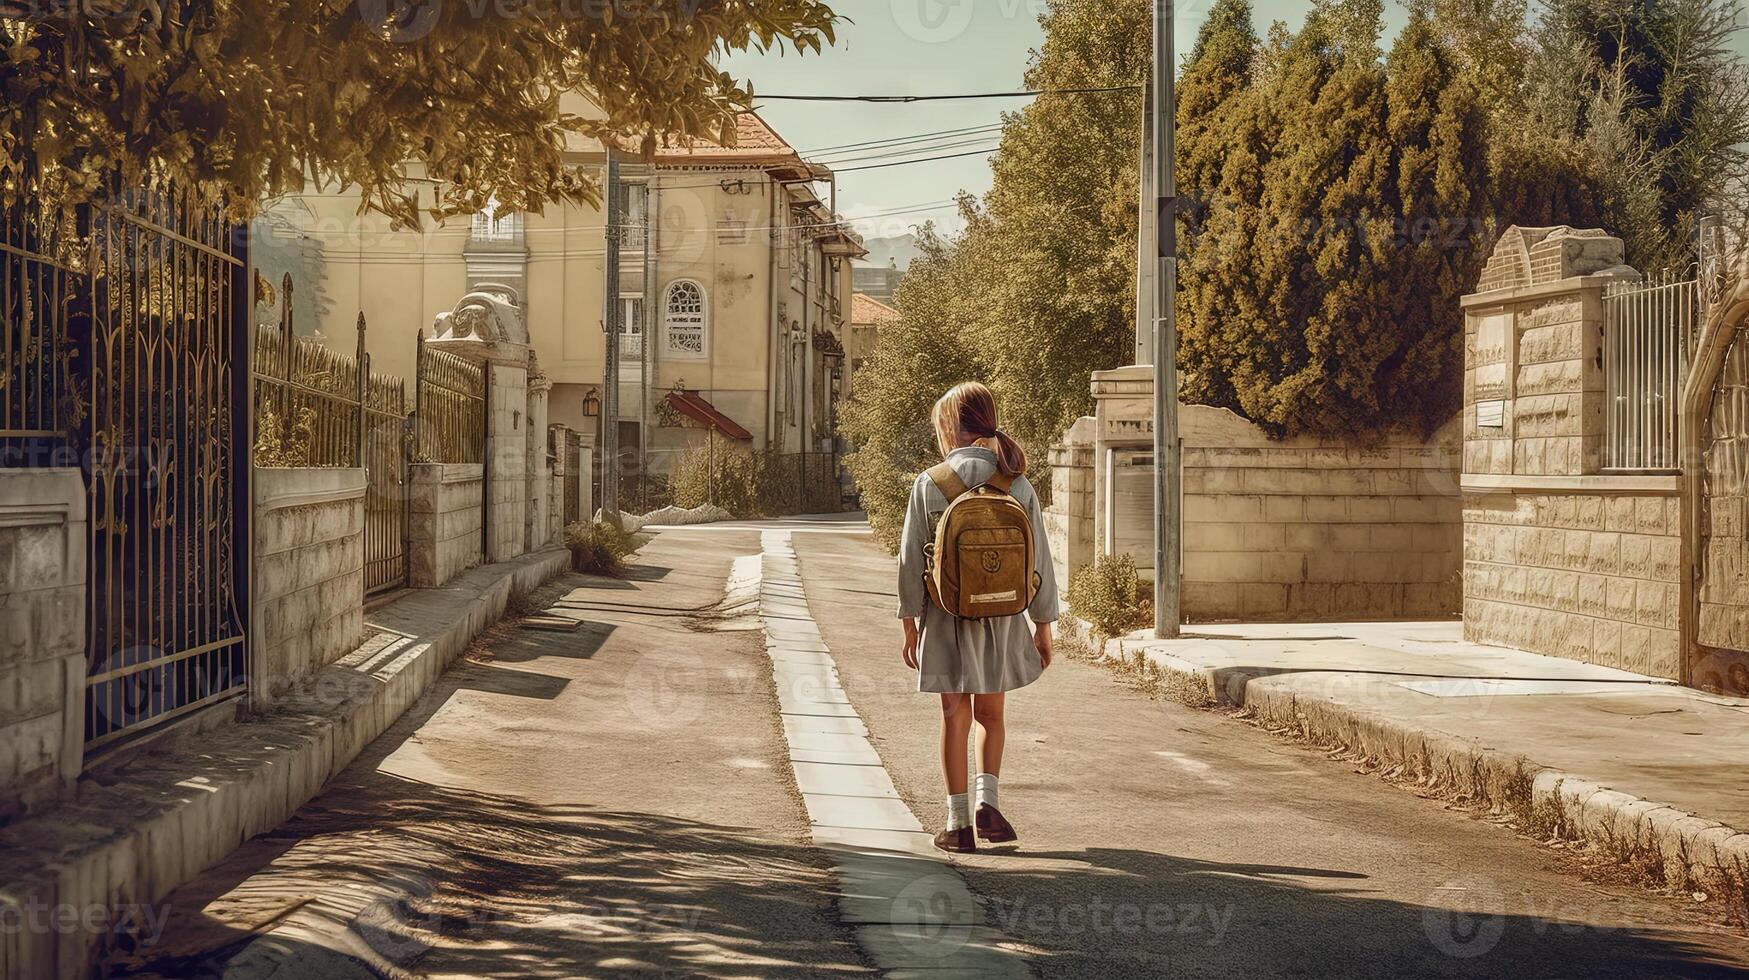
(42,287)
(165,437)
(450,408)
(307,396)
(385,452)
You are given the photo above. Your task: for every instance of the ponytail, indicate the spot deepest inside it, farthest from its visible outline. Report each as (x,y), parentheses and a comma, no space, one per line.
(969,410)
(1010,458)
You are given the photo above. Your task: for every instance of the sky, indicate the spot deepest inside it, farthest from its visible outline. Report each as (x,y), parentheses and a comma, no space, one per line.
(923,47)
(919,47)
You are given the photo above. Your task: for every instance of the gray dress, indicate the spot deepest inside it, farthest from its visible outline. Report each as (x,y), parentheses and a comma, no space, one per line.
(971,656)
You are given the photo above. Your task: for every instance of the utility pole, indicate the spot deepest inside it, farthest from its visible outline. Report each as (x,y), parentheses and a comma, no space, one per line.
(1145,252)
(610,377)
(647,339)
(1166,461)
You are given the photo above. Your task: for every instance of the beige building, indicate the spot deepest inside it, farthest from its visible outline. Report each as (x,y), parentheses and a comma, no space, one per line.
(735,295)
(867,316)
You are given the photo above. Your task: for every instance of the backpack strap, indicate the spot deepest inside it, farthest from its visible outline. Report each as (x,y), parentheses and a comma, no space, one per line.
(1001,481)
(947,481)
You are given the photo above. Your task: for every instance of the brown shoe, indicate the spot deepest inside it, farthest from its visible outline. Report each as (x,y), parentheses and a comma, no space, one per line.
(961,841)
(993,827)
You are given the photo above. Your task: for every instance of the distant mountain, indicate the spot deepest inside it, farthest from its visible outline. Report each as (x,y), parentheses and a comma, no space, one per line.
(897,250)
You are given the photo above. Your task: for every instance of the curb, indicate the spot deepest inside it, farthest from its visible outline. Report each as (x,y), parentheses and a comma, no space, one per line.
(1684,851)
(117,849)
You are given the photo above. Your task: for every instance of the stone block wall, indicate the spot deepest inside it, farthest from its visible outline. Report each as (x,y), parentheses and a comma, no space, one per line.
(507,456)
(42,636)
(309,572)
(1310,529)
(1592,576)
(1290,530)
(1559,557)
(444,527)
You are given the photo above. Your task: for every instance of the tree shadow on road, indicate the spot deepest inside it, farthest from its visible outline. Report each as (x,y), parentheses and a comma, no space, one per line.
(1120,912)
(394,876)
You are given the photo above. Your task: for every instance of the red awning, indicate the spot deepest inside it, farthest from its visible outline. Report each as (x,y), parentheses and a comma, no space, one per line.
(689,404)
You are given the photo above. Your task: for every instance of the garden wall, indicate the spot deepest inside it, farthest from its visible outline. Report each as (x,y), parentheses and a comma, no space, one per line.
(1274,530)
(444,539)
(42,635)
(309,571)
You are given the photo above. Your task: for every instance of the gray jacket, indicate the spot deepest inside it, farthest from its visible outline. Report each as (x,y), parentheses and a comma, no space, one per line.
(983,656)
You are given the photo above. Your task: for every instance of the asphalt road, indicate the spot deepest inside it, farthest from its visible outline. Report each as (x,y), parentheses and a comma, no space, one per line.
(1163,840)
(605,803)
(617,802)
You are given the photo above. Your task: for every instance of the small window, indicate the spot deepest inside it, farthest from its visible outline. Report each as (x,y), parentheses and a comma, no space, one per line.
(493,225)
(683,319)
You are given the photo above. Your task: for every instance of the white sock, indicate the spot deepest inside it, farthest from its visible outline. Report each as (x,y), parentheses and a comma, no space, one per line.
(986,784)
(959,811)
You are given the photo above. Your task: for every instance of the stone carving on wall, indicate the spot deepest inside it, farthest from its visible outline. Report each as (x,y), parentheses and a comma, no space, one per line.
(490,315)
(1527,256)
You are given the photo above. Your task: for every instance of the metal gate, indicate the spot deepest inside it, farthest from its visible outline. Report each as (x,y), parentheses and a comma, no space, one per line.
(386,452)
(573,477)
(163,350)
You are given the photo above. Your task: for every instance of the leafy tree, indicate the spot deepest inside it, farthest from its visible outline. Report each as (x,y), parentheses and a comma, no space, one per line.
(915,361)
(246,99)
(1657,103)
(1039,289)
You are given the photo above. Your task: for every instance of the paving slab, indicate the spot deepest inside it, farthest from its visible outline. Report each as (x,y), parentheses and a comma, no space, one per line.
(911,909)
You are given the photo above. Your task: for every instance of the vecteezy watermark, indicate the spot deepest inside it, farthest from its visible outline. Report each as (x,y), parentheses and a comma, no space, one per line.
(144,923)
(1465,917)
(935,21)
(1100,917)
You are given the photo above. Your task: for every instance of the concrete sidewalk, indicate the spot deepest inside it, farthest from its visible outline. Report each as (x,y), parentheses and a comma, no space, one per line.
(1644,770)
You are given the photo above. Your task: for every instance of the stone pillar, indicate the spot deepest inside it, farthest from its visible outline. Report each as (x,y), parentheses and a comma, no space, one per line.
(1069,521)
(539,473)
(42,635)
(488,327)
(309,573)
(507,460)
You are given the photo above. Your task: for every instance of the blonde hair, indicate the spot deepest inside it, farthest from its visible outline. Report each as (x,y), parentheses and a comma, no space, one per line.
(969,410)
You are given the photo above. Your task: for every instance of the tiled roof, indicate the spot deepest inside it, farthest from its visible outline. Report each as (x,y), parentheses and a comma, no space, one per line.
(865,309)
(755,143)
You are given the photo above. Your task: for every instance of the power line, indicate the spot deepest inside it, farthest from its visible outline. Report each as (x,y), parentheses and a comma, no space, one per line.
(903,99)
(896,140)
(901,163)
(863,157)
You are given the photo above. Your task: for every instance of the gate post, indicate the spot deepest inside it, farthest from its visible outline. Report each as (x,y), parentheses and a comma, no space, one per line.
(487,328)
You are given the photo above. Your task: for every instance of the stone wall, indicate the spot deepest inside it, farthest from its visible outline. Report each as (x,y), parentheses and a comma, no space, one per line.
(1300,529)
(1311,529)
(507,455)
(42,635)
(444,536)
(309,572)
(1559,557)
(1591,575)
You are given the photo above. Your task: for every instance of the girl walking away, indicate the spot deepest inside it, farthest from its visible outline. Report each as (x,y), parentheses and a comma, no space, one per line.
(974,568)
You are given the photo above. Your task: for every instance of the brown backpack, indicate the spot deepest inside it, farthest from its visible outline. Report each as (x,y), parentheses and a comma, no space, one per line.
(980,564)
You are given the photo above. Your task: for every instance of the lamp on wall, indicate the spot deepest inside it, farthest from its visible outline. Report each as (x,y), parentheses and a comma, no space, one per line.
(592,403)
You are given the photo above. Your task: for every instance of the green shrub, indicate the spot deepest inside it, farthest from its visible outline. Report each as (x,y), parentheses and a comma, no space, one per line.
(753,483)
(600,548)
(1109,596)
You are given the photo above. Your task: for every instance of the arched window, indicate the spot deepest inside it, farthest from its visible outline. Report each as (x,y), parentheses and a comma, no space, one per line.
(683,319)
